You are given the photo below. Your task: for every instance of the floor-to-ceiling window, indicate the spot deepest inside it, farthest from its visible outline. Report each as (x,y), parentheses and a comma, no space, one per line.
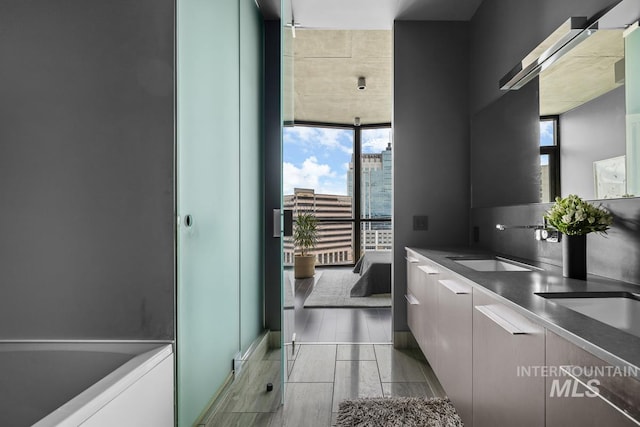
(321,175)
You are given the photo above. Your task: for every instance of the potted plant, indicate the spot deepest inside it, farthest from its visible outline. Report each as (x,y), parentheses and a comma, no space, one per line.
(305,237)
(575,218)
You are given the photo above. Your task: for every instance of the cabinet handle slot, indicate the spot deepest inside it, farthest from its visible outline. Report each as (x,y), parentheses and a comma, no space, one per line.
(602,393)
(455,287)
(411,299)
(428,270)
(505,324)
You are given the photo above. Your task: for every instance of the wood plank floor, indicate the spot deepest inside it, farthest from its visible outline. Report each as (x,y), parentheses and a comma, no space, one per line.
(322,376)
(336,325)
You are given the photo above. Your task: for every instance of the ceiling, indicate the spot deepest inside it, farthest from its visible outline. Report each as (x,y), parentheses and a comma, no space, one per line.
(337,41)
(583,74)
(326,67)
(369,14)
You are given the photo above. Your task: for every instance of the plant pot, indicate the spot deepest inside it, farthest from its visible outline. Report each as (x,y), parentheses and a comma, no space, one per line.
(304,266)
(574,257)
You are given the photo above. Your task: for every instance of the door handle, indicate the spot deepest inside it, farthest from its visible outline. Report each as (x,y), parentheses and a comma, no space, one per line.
(411,299)
(428,270)
(276,223)
(288,222)
(455,287)
(496,318)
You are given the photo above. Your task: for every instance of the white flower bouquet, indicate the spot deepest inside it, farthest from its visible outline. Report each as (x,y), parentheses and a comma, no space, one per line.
(573,216)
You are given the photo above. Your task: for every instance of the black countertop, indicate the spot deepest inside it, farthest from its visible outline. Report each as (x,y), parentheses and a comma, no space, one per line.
(518,289)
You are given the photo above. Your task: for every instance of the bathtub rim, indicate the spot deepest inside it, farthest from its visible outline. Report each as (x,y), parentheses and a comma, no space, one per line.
(146,356)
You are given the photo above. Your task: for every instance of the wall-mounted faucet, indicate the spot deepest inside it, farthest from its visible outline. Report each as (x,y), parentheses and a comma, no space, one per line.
(542,232)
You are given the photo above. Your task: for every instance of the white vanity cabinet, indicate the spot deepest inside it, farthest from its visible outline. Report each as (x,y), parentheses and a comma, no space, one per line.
(454,343)
(493,362)
(503,342)
(413,286)
(613,399)
(439,311)
(428,295)
(422,303)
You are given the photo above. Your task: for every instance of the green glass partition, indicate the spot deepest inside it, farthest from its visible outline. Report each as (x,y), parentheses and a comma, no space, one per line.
(208,205)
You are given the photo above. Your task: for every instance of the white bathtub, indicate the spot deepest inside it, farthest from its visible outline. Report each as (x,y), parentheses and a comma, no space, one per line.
(87,384)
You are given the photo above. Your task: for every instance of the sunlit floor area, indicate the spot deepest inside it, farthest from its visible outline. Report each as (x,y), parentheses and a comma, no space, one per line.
(322,375)
(333,324)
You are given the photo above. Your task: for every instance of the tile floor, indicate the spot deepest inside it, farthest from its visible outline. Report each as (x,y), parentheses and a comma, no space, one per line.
(322,375)
(331,325)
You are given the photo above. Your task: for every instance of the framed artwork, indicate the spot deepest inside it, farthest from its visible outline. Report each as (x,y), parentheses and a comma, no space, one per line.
(610,178)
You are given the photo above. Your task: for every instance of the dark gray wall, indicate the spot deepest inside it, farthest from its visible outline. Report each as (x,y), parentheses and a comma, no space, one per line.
(594,131)
(86,169)
(431,141)
(615,255)
(505,149)
(272,175)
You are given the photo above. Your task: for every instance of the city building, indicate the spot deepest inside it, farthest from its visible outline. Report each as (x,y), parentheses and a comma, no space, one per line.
(376,186)
(335,239)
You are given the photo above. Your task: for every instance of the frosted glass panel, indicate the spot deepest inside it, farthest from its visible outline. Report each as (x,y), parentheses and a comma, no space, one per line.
(208,190)
(251,185)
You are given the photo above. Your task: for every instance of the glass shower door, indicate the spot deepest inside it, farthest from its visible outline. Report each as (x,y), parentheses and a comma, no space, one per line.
(288,312)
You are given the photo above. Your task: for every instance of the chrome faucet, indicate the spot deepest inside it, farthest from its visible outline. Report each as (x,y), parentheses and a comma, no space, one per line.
(503,227)
(542,232)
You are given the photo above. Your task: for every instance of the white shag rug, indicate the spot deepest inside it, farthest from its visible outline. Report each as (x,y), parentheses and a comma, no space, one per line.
(398,412)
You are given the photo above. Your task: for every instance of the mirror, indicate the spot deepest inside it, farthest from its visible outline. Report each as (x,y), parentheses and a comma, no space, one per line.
(593,91)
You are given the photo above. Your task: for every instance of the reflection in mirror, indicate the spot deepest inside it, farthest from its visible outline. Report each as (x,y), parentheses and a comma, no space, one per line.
(593,93)
(549,159)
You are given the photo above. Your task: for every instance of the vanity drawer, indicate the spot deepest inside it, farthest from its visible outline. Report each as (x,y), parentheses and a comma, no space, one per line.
(613,399)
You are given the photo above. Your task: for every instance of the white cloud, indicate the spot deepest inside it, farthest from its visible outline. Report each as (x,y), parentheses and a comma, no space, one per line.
(312,174)
(375,140)
(332,139)
(546,129)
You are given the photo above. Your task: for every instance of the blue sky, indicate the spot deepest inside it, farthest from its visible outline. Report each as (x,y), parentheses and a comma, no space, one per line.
(319,158)
(546,132)
(546,138)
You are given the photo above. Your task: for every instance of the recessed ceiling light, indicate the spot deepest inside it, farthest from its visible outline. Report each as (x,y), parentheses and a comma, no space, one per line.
(362,83)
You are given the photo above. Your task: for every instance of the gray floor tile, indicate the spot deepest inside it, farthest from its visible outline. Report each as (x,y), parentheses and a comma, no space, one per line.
(407,390)
(399,365)
(314,364)
(433,381)
(273,354)
(277,418)
(308,405)
(356,352)
(246,419)
(249,393)
(356,379)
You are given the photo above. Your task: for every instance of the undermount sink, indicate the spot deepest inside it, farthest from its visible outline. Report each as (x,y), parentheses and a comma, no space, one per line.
(618,309)
(493,264)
